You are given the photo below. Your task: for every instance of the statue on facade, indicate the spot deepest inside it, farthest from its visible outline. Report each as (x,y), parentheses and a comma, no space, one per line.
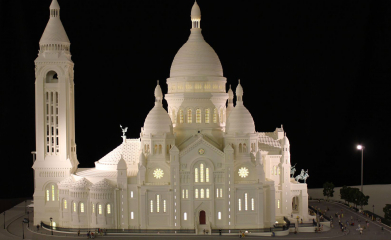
(124,130)
(293,170)
(303,176)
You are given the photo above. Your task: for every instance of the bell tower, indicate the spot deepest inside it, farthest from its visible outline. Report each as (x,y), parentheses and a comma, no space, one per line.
(54,117)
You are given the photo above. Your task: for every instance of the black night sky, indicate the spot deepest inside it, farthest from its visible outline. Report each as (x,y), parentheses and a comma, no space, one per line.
(320,68)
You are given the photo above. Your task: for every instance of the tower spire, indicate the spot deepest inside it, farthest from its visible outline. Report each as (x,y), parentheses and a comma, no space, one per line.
(158,94)
(239,92)
(54,9)
(196,16)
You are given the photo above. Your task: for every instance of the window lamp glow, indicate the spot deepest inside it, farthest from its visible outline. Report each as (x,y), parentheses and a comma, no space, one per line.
(151,206)
(185,216)
(196,175)
(198,115)
(81,207)
(278,203)
(279,171)
(183,193)
(53,195)
(196,193)
(202,193)
(207,174)
(164,206)
(207,115)
(158,173)
(189,116)
(93,208)
(132,215)
(219,215)
(108,209)
(221,192)
(201,172)
(215,115)
(187,193)
(217,193)
(74,207)
(207,193)
(47,195)
(158,203)
(243,172)
(65,204)
(181,116)
(240,204)
(131,194)
(245,201)
(100,209)
(252,204)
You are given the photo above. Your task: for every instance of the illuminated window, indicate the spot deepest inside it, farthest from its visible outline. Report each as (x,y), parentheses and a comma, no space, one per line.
(189,116)
(185,216)
(201,172)
(198,115)
(181,116)
(81,207)
(131,194)
(196,193)
(240,204)
(183,193)
(272,171)
(100,209)
(278,203)
(219,215)
(74,207)
(132,215)
(93,208)
(202,193)
(47,195)
(207,193)
(53,195)
(164,206)
(275,170)
(252,204)
(151,206)
(196,174)
(187,193)
(157,203)
(221,192)
(215,115)
(65,204)
(279,171)
(207,175)
(245,201)
(207,112)
(217,193)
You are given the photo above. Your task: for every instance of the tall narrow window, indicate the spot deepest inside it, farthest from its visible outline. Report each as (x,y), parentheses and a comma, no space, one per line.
(201,172)
(100,208)
(160,149)
(202,193)
(93,208)
(187,193)
(81,207)
(240,204)
(47,195)
(279,171)
(65,204)
(181,116)
(132,215)
(217,193)
(221,192)
(245,202)
(219,215)
(240,147)
(275,170)
(151,206)
(207,175)
(207,112)
(74,207)
(183,193)
(131,194)
(244,148)
(198,115)
(196,193)
(207,193)
(252,204)
(278,203)
(53,195)
(157,203)
(164,206)
(185,216)
(215,115)
(196,175)
(189,116)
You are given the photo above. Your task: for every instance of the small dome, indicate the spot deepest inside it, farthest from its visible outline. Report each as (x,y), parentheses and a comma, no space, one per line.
(196,58)
(230,93)
(158,121)
(286,141)
(239,90)
(195,12)
(240,120)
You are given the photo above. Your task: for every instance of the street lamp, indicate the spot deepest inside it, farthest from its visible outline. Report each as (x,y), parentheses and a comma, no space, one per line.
(51,226)
(361,147)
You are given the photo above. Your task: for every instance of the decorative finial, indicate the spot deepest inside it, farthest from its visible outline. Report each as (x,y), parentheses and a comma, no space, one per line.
(124,130)
(157,82)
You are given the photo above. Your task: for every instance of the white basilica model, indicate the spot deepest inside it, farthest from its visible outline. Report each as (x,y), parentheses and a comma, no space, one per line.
(202,165)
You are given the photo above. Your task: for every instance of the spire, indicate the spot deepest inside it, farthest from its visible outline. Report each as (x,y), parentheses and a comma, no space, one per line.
(196,16)
(158,94)
(54,9)
(239,92)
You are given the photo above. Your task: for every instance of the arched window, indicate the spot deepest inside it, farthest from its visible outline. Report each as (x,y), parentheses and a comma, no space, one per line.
(47,195)
(196,193)
(181,116)
(198,115)
(183,193)
(189,116)
(201,172)
(53,193)
(196,175)
(207,193)
(51,77)
(65,204)
(240,204)
(164,206)
(279,171)
(157,203)
(185,216)
(240,147)
(100,208)
(275,170)
(82,207)
(244,148)
(207,174)
(252,204)
(278,203)
(245,202)
(151,206)
(93,208)
(202,193)
(217,193)
(160,149)
(207,112)
(215,115)
(155,150)
(74,207)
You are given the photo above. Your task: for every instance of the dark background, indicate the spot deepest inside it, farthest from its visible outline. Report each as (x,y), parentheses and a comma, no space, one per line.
(321,68)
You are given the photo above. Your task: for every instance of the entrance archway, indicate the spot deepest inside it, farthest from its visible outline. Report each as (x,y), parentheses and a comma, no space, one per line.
(202,217)
(295,204)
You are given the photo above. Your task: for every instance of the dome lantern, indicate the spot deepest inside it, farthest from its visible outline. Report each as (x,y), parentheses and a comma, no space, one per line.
(158,93)
(196,16)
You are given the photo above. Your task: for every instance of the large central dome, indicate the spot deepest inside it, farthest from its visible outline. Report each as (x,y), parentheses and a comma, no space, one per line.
(196,57)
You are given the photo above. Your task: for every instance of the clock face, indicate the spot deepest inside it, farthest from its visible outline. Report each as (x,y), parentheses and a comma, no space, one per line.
(158,173)
(201,151)
(243,172)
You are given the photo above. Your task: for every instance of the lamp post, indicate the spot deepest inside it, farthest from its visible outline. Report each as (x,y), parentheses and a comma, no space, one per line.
(51,226)
(361,147)
(28,218)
